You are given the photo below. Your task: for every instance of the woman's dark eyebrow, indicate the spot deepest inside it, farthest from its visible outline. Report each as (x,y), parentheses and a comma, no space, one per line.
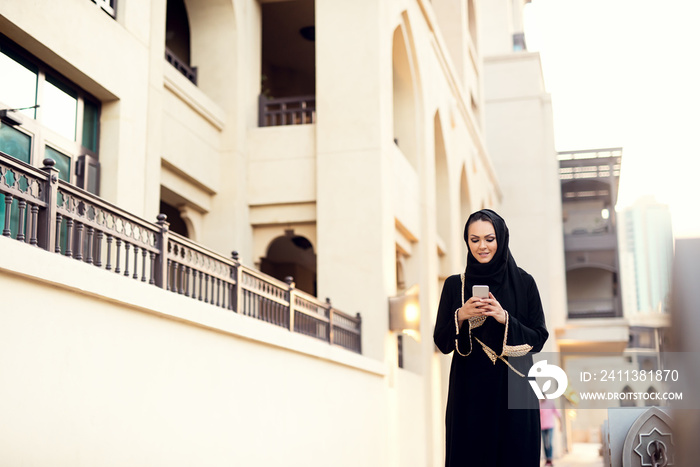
(487,235)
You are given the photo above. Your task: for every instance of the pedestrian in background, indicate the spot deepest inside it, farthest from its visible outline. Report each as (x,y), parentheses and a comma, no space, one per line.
(548,412)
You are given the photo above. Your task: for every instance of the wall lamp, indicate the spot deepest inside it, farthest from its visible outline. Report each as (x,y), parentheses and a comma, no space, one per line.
(404,313)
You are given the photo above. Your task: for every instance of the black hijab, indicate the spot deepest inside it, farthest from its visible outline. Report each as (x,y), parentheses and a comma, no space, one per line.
(501,274)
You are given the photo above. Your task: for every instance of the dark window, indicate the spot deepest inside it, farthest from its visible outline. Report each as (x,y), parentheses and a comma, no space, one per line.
(177,223)
(177,39)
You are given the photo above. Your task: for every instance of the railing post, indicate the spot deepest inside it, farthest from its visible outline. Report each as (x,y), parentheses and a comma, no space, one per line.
(329,308)
(237,292)
(261,110)
(161,262)
(47,229)
(359,330)
(290,284)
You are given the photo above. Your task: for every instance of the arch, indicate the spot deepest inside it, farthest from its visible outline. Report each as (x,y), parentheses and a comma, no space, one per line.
(405,109)
(213,47)
(465,204)
(649,402)
(471,18)
(627,401)
(292,255)
(442,182)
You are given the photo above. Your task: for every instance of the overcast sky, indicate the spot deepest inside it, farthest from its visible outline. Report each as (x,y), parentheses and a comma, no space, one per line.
(627,73)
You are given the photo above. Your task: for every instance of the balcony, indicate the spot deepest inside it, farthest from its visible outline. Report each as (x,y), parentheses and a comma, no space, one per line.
(590,241)
(596,308)
(41,210)
(296,110)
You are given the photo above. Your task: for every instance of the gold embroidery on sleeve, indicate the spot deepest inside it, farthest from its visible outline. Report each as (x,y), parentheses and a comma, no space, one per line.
(508,350)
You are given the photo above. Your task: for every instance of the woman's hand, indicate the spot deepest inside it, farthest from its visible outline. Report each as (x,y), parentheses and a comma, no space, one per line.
(491,307)
(471,308)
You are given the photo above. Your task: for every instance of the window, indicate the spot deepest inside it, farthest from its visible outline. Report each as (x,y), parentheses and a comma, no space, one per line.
(51,118)
(177,39)
(108,6)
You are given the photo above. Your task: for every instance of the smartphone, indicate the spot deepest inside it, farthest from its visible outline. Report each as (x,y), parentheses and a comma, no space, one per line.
(480,291)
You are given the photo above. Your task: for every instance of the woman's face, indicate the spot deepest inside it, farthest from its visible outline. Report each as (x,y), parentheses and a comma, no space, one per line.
(482,241)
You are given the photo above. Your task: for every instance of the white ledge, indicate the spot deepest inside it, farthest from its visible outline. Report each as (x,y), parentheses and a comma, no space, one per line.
(191,95)
(32,263)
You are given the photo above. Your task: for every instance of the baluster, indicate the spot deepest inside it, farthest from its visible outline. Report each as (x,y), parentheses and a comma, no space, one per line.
(119,245)
(34,211)
(206,288)
(59,218)
(69,237)
(187,281)
(168,276)
(180,278)
(20,228)
(79,241)
(98,249)
(200,285)
(90,233)
(143,264)
(109,252)
(136,262)
(8,210)
(153,269)
(127,246)
(194,283)
(218,291)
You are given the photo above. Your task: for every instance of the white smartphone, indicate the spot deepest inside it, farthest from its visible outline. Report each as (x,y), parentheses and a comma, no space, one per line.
(480,291)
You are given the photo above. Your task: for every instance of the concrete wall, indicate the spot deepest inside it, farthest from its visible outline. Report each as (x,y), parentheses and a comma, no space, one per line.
(99,369)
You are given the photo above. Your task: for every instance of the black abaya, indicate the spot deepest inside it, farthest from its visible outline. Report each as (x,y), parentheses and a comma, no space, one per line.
(486,422)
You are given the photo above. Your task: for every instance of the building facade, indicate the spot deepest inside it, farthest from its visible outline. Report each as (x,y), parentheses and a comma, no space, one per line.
(338,143)
(337,147)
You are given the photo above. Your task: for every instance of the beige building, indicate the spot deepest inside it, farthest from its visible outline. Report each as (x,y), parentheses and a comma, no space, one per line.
(340,143)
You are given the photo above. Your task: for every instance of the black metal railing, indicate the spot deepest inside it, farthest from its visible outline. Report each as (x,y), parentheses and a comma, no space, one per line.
(184,68)
(39,209)
(286,111)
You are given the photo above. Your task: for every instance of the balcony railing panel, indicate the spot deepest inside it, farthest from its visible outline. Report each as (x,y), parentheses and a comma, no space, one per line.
(286,111)
(22,187)
(196,272)
(92,230)
(38,208)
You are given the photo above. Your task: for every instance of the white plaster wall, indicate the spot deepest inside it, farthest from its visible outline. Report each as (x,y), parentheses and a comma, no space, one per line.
(99,369)
(282,165)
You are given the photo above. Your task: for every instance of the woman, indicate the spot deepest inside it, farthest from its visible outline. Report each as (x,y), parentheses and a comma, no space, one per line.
(492,413)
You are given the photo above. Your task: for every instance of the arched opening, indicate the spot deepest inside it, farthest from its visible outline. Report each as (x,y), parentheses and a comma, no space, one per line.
(465,206)
(471,13)
(442,197)
(627,400)
(213,49)
(174,218)
(292,255)
(177,39)
(649,402)
(404,102)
